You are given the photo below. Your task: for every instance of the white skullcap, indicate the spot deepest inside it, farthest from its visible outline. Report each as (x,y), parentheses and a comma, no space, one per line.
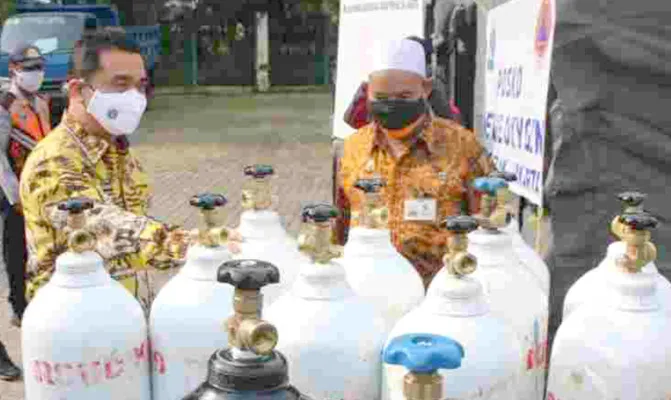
(404,55)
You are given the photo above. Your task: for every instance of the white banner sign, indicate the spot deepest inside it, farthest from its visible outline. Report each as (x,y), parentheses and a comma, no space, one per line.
(520,34)
(363,24)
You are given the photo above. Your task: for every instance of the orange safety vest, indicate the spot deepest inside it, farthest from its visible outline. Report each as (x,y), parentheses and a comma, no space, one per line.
(32,122)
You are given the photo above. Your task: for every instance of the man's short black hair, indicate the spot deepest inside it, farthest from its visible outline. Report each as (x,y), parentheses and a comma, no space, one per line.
(87,52)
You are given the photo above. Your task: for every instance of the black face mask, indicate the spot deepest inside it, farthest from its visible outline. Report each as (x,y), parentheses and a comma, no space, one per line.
(397,113)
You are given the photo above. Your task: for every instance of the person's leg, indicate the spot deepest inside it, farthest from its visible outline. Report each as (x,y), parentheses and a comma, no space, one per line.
(8,370)
(14,249)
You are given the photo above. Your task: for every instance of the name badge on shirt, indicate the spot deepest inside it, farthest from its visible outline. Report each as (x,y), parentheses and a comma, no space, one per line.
(421,209)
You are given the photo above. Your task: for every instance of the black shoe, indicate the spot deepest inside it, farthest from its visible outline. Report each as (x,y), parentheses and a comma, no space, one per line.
(8,371)
(16,315)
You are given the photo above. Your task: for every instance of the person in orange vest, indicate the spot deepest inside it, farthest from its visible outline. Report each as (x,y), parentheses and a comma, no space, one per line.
(24,121)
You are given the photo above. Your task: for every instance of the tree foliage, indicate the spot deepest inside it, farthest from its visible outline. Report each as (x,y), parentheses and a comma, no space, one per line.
(6,7)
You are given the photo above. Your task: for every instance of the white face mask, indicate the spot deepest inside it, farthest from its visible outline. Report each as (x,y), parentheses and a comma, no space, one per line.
(118,113)
(30,81)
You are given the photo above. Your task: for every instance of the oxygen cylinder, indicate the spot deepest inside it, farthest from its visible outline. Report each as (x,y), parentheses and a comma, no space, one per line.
(263,234)
(332,337)
(458,309)
(186,316)
(512,291)
(622,348)
(423,355)
(250,368)
(588,289)
(84,336)
(526,254)
(375,270)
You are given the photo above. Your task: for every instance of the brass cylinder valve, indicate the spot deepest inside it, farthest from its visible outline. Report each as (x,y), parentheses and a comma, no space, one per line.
(504,196)
(632,203)
(493,215)
(457,260)
(317,235)
(257,191)
(246,330)
(211,232)
(423,355)
(375,214)
(636,234)
(80,239)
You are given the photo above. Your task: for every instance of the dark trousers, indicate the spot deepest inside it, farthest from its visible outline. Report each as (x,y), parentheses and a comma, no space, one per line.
(15,257)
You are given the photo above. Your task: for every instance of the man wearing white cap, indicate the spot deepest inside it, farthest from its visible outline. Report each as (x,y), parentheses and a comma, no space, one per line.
(426,162)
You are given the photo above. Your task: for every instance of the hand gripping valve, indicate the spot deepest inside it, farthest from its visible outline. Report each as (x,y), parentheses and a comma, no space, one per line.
(423,355)
(256,192)
(635,232)
(457,260)
(316,239)
(493,214)
(211,233)
(375,214)
(80,239)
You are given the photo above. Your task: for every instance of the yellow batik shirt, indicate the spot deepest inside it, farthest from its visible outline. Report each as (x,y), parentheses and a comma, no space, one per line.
(439,163)
(71,163)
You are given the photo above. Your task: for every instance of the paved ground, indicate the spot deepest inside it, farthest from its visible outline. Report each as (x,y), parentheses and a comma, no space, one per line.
(197,144)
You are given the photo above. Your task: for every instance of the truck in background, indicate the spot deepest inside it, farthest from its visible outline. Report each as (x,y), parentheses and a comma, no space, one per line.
(55,28)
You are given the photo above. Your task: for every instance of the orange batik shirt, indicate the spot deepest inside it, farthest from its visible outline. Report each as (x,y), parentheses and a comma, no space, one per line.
(439,164)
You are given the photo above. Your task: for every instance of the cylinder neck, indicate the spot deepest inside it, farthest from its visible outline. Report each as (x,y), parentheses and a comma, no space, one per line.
(457,297)
(366,242)
(493,249)
(202,263)
(460,295)
(76,270)
(263,224)
(322,281)
(423,386)
(633,292)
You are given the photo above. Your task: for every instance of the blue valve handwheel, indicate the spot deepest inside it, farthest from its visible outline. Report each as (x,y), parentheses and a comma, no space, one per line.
(489,185)
(424,353)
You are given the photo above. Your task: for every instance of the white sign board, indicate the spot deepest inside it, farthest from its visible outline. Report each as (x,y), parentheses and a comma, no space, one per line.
(363,24)
(520,34)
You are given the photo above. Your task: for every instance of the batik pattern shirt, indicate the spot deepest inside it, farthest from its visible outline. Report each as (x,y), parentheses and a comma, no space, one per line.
(70,163)
(440,163)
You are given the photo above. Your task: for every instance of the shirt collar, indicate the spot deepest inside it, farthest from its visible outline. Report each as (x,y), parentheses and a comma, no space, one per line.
(422,137)
(93,146)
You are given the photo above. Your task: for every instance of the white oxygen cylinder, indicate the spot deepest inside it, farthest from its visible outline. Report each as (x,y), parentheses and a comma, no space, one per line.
(263,234)
(588,289)
(375,269)
(332,337)
(491,366)
(620,349)
(187,315)
(513,293)
(531,260)
(84,336)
